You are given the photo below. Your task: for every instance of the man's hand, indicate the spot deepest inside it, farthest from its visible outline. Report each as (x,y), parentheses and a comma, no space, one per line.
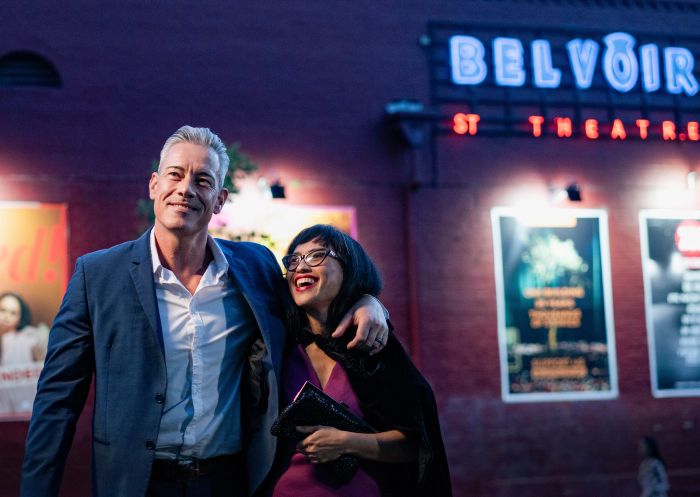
(371,320)
(325,443)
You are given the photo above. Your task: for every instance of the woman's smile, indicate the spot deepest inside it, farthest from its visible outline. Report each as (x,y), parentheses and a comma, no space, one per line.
(303,282)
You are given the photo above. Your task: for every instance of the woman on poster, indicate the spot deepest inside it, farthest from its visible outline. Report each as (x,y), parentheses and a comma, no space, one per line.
(22,349)
(327,271)
(20,343)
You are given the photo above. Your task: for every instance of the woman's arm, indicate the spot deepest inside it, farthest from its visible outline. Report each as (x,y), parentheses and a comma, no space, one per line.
(326,444)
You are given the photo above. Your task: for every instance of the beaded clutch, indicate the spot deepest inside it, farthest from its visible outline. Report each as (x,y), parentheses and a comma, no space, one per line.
(311,406)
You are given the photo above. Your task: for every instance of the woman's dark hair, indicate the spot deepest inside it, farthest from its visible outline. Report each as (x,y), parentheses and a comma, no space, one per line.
(652,449)
(25,315)
(360,275)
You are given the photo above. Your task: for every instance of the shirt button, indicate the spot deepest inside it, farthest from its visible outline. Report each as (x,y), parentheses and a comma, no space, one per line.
(150,444)
(160,398)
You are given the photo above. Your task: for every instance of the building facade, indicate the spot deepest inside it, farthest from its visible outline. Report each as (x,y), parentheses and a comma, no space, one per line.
(304,87)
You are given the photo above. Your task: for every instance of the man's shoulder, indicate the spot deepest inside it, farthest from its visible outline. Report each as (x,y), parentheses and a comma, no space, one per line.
(112,255)
(254,255)
(243,248)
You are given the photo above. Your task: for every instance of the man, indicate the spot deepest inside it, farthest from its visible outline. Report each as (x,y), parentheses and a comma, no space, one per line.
(184,337)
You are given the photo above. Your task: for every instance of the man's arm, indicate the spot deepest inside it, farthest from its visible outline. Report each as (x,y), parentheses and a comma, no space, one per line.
(61,393)
(372,321)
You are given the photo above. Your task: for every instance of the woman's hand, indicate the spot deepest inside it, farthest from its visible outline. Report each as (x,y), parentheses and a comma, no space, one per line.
(325,443)
(328,444)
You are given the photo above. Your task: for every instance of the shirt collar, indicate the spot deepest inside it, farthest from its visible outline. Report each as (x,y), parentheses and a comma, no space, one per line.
(217,268)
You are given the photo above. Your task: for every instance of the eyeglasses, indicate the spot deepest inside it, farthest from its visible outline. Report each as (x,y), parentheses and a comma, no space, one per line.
(312,259)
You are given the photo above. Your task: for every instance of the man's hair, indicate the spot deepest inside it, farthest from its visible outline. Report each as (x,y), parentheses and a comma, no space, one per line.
(360,275)
(204,137)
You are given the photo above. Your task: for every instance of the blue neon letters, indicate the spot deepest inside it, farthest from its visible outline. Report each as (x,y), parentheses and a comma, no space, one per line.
(620,66)
(582,56)
(467,58)
(544,73)
(624,66)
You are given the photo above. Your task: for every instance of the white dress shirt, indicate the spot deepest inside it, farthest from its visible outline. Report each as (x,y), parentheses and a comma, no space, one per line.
(206,337)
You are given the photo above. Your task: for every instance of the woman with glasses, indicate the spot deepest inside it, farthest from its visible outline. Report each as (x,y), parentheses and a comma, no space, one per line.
(326,272)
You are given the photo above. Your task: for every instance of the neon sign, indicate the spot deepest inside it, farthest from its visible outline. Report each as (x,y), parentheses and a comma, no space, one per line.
(593,129)
(624,66)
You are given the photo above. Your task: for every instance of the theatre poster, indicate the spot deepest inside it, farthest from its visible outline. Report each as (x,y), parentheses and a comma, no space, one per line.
(555,317)
(670,242)
(33,278)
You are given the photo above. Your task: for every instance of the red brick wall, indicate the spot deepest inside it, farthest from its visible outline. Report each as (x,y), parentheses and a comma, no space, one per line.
(574,448)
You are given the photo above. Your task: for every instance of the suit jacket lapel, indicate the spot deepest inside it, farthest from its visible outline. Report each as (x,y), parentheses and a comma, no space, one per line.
(239,271)
(142,276)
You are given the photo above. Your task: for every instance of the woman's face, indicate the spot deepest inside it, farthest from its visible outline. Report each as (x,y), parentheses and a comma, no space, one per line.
(10,313)
(314,288)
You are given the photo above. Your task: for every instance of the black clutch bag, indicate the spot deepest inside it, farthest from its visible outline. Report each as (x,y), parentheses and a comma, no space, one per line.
(311,406)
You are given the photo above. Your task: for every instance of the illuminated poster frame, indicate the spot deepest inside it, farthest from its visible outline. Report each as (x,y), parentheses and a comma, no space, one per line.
(554,302)
(274,224)
(671,271)
(34,269)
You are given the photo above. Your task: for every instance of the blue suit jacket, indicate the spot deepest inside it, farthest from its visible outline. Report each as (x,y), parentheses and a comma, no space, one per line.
(108,327)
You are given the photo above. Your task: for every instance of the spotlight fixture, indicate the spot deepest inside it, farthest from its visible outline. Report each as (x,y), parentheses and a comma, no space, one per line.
(573,191)
(412,119)
(277,189)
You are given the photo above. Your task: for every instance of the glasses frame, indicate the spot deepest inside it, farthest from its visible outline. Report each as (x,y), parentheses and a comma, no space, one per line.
(327,252)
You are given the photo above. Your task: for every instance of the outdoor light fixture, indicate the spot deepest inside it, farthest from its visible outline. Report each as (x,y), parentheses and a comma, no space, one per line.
(277,189)
(573,191)
(412,120)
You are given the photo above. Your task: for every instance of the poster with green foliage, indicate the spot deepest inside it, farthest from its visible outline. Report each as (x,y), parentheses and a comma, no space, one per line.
(555,322)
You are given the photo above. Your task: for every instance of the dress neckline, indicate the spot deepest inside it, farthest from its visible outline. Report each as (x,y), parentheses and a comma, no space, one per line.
(312,372)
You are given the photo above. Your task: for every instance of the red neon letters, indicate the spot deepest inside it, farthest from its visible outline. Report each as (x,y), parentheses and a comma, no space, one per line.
(592,129)
(465,123)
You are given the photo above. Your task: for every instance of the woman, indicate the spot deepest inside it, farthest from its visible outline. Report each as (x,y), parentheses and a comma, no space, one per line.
(19,343)
(652,471)
(326,272)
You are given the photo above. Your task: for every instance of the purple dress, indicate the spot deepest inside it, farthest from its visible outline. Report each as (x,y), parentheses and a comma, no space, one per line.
(297,475)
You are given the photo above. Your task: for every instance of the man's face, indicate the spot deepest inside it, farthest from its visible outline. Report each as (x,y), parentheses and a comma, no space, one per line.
(184,191)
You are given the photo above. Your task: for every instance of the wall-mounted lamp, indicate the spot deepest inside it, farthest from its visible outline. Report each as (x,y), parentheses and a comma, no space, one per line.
(412,120)
(573,191)
(277,189)
(692,179)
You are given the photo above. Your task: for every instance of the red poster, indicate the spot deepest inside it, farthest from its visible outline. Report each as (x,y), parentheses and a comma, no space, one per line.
(33,278)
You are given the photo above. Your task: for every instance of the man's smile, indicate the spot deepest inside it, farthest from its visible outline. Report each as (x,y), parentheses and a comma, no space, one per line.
(183,205)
